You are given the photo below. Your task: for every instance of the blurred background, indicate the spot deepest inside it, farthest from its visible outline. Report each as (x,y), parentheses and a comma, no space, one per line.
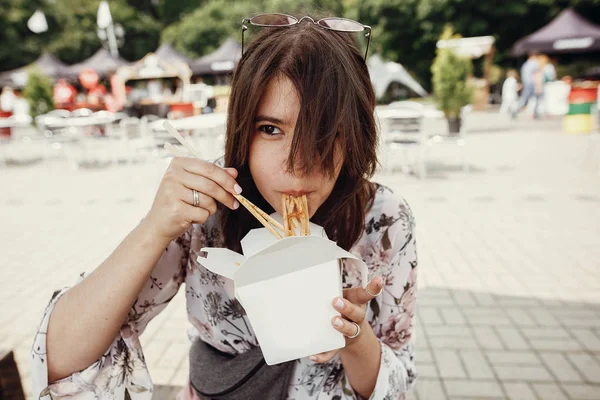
(489,127)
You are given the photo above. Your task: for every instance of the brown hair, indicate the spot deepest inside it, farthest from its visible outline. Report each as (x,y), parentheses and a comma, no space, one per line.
(336,110)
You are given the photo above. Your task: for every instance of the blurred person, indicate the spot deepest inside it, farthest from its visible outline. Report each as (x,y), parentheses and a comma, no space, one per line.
(155,89)
(528,71)
(96,95)
(21,107)
(549,69)
(510,92)
(546,73)
(300,122)
(7,100)
(64,94)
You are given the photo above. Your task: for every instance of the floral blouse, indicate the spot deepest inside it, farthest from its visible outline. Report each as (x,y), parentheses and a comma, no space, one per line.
(387,245)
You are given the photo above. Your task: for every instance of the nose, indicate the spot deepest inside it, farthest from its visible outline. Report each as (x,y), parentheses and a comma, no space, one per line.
(298,166)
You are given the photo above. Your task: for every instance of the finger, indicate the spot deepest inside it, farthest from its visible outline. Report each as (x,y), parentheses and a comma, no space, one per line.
(324,357)
(359,295)
(347,328)
(192,214)
(204,201)
(349,310)
(208,187)
(212,172)
(375,287)
(232,171)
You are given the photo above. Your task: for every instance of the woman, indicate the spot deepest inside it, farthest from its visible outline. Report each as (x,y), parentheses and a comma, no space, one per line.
(300,121)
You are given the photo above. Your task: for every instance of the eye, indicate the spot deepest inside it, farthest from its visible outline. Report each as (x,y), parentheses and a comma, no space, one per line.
(270,130)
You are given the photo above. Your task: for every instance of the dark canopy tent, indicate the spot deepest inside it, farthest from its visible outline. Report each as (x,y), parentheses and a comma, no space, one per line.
(220,61)
(102,62)
(47,63)
(167,53)
(569,32)
(592,73)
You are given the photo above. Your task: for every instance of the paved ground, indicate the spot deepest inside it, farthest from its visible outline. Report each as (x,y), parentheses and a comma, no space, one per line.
(509,303)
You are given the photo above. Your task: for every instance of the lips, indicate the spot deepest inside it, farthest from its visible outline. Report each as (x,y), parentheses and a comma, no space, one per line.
(296,193)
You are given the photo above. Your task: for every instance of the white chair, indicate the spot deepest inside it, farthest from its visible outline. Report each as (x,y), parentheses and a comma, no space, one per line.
(403,104)
(145,122)
(61,113)
(137,140)
(104,114)
(458,140)
(402,131)
(160,134)
(81,112)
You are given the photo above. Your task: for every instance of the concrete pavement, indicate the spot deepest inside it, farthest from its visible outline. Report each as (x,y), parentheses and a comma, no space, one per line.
(509,280)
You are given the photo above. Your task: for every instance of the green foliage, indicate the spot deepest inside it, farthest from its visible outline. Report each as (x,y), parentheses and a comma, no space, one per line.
(18,45)
(78,39)
(203,30)
(404,31)
(450,73)
(38,93)
(207,27)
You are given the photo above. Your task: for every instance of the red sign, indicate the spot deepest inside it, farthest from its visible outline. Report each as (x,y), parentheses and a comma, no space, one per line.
(88,78)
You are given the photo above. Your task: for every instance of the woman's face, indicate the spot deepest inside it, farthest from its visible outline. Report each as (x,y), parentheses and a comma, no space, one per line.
(274,127)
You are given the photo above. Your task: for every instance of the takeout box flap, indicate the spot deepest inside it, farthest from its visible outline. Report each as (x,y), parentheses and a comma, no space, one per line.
(260,238)
(292,254)
(221,261)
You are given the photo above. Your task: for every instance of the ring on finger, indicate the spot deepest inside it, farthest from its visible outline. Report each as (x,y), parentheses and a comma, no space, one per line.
(196,198)
(357,331)
(374,295)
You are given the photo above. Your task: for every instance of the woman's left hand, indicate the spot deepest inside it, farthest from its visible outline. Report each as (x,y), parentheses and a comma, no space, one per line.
(353,308)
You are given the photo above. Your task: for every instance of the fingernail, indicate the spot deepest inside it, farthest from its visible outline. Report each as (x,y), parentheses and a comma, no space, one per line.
(339,304)
(338,322)
(380,283)
(312,358)
(236,205)
(237,188)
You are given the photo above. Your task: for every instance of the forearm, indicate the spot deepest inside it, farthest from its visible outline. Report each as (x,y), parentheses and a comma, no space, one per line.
(361,361)
(88,317)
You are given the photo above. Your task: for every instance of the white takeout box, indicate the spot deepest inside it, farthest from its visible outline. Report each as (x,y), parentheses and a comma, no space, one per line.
(287,287)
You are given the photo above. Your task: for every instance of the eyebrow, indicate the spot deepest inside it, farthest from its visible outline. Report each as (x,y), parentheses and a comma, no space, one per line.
(270,119)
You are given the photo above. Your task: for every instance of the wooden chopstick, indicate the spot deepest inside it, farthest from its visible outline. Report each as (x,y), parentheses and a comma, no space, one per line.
(171,129)
(254,211)
(264,218)
(178,152)
(248,204)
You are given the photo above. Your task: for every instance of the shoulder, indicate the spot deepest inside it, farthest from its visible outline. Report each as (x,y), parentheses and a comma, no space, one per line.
(388,209)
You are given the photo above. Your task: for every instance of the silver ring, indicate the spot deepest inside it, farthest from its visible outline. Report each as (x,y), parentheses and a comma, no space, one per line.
(357,331)
(374,295)
(196,198)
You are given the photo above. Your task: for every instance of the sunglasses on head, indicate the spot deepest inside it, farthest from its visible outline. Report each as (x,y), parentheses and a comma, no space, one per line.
(284,20)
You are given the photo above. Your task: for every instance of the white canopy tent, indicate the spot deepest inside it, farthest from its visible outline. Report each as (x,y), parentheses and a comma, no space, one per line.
(384,73)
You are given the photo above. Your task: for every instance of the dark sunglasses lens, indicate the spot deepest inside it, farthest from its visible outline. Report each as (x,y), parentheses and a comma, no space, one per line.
(273,20)
(339,24)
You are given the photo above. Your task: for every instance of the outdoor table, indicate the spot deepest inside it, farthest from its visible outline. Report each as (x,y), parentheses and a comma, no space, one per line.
(200,122)
(390,112)
(74,122)
(13,123)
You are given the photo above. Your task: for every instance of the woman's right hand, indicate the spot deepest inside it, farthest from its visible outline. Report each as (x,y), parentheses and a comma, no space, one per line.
(173,212)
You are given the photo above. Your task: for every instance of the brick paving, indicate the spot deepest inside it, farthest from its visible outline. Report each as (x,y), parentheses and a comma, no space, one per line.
(509,301)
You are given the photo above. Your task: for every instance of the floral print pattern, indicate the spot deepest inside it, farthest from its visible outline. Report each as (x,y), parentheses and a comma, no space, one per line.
(388,247)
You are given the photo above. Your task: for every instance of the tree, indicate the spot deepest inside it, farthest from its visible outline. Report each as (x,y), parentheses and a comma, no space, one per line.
(38,93)
(406,31)
(450,73)
(19,46)
(78,40)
